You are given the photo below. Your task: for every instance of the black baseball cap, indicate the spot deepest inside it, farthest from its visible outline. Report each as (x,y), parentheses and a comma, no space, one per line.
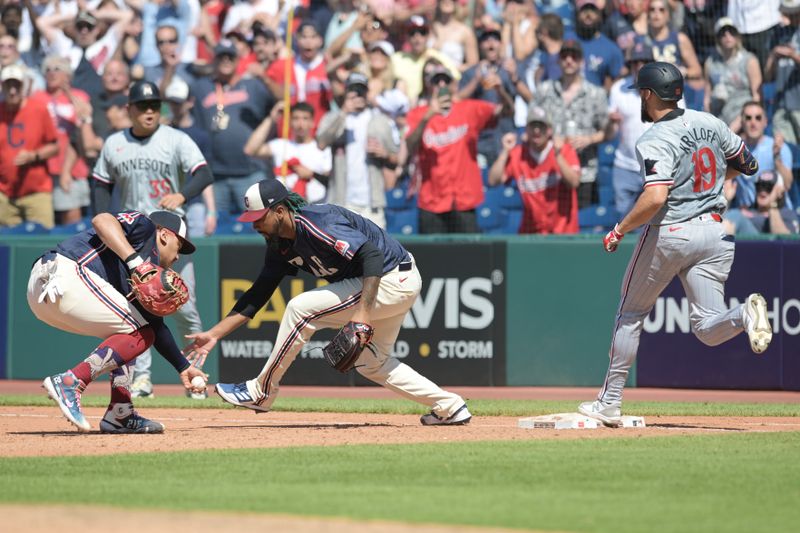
(143,91)
(176,225)
(260,197)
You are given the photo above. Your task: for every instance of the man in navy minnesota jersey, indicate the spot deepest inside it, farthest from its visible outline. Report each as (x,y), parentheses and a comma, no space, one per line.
(82,286)
(373,280)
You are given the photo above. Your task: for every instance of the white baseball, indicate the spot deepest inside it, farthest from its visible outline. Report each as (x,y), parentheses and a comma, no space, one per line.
(198,382)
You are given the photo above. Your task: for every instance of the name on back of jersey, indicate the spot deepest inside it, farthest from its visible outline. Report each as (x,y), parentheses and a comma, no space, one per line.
(691,140)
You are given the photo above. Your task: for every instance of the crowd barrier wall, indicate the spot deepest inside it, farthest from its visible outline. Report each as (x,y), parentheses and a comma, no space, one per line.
(517,311)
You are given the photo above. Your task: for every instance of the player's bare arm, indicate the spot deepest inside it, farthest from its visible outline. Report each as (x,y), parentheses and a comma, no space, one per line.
(434,108)
(497,172)
(371,259)
(203,342)
(109,230)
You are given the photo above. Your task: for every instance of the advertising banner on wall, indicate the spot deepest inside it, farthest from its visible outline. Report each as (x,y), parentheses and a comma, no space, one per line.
(671,356)
(454,334)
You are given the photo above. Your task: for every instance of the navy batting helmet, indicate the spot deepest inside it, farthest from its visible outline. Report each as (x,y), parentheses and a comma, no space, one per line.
(664,79)
(143,91)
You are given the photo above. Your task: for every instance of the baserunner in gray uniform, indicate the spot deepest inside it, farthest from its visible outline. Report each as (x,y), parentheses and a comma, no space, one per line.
(685,158)
(151,164)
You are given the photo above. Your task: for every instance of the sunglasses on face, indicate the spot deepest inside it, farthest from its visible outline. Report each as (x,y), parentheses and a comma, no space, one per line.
(418,31)
(84,26)
(570,54)
(727,31)
(754,117)
(764,186)
(162,42)
(151,105)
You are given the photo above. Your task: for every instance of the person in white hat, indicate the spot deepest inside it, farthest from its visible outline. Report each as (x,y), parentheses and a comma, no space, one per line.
(27,141)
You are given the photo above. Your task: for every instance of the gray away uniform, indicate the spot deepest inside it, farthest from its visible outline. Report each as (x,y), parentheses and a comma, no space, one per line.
(686,151)
(146,170)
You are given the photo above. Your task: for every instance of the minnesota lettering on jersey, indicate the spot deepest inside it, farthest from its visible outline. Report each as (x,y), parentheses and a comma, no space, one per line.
(161,168)
(690,142)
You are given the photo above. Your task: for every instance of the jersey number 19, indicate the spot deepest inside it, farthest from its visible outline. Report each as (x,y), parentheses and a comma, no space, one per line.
(705,169)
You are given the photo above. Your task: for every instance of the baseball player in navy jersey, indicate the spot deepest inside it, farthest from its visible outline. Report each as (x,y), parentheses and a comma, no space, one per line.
(373,280)
(82,287)
(147,163)
(685,158)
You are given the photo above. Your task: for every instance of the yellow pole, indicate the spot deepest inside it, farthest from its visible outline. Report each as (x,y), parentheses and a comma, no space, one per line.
(287,84)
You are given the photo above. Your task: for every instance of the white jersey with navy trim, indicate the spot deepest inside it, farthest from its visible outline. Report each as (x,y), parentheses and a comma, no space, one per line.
(147,169)
(687,151)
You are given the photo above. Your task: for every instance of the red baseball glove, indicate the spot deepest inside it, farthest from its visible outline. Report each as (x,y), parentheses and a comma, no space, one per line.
(160,291)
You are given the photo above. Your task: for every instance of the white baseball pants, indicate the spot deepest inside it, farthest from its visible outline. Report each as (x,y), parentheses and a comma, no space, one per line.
(332,306)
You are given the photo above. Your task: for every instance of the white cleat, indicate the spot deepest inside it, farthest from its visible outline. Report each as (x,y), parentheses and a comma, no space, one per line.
(756,323)
(609,415)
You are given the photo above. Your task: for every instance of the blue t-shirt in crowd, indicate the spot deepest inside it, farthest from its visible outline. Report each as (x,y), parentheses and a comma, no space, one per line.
(245,105)
(602,58)
(746,185)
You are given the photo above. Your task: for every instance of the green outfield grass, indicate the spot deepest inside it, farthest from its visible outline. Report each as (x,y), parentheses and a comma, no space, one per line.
(722,482)
(399,406)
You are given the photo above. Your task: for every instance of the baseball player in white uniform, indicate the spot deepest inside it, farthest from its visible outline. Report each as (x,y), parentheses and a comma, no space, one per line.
(685,158)
(148,162)
(372,280)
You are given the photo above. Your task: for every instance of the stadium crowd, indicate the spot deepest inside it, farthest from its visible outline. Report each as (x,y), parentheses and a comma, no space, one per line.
(425,116)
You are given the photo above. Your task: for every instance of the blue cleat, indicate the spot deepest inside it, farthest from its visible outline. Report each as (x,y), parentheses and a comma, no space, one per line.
(238,394)
(122,418)
(65,389)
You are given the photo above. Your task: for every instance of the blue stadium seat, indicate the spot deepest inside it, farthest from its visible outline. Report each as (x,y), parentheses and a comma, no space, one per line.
(489,217)
(511,198)
(26,228)
(396,198)
(512,221)
(605,153)
(605,175)
(228,225)
(402,221)
(597,218)
(606,195)
(493,196)
(485,176)
(72,229)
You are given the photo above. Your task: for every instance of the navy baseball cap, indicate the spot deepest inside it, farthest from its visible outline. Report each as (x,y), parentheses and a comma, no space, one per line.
(227,48)
(260,197)
(176,225)
(143,91)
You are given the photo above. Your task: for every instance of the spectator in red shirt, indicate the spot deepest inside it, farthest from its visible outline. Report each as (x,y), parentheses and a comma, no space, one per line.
(444,135)
(68,170)
(547,172)
(309,76)
(27,141)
